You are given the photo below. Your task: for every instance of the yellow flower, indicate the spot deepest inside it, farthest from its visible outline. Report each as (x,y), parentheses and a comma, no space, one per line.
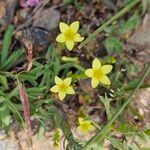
(98,73)
(85,126)
(69,34)
(62,87)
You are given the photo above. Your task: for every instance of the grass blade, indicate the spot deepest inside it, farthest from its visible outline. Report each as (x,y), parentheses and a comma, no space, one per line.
(6,44)
(12,59)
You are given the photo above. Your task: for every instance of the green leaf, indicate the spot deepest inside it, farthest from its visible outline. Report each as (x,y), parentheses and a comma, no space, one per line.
(68,1)
(131,85)
(3,81)
(127,129)
(36,90)
(52,67)
(117,144)
(106,103)
(3,107)
(5,117)
(11,107)
(130,24)
(94,146)
(113,45)
(12,59)
(6,44)
(13,93)
(37,71)
(127,2)
(26,77)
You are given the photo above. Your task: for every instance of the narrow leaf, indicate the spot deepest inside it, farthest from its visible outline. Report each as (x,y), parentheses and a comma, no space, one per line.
(6,43)
(3,81)
(12,59)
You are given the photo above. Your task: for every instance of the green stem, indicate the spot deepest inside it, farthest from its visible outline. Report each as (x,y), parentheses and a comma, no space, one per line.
(108,22)
(105,130)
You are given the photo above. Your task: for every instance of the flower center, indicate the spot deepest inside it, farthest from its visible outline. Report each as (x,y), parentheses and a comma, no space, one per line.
(69,34)
(97,73)
(85,126)
(63,87)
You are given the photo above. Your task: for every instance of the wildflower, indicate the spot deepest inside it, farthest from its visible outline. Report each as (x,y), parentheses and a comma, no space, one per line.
(85,126)
(98,73)
(69,34)
(29,3)
(62,87)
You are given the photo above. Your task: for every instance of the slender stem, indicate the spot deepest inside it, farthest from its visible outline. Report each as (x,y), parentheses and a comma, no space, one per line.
(108,22)
(105,130)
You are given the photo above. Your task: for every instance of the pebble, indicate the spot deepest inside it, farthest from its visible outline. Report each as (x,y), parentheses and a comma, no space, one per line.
(48,19)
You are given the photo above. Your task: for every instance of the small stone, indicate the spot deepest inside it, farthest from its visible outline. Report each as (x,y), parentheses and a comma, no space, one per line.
(48,19)
(39,37)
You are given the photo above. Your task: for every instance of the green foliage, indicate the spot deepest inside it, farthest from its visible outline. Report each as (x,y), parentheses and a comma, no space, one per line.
(117,144)
(3,81)
(6,44)
(127,2)
(5,115)
(68,1)
(75,3)
(12,59)
(130,24)
(106,103)
(113,45)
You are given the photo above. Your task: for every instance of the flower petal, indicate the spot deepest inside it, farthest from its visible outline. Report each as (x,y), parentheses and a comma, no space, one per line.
(67,81)
(61,95)
(95,82)
(105,80)
(89,72)
(106,69)
(78,38)
(58,80)
(70,90)
(96,64)
(80,120)
(74,26)
(81,129)
(54,89)
(85,127)
(91,127)
(63,27)
(70,45)
(61,38)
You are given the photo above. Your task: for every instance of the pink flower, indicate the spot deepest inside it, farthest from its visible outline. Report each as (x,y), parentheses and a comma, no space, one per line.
(29,3)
